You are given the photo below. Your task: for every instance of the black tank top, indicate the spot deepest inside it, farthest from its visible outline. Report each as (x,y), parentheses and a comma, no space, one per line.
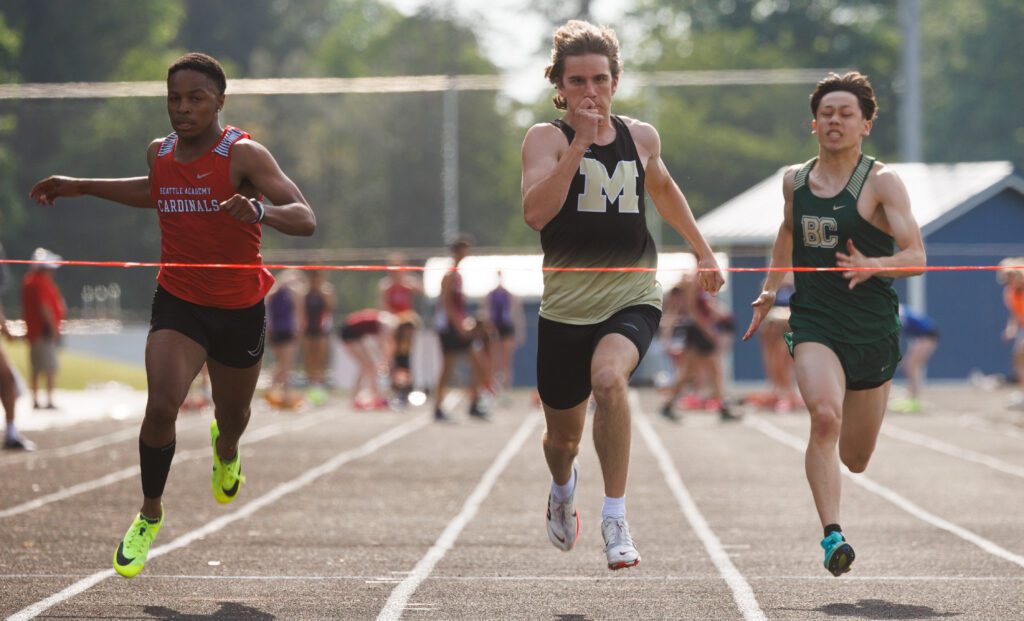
(602,223)
(315,304)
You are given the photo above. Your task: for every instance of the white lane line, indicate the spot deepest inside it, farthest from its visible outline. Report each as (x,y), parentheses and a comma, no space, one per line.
(400,595)
(742,594)
(1003,429)
(952,450)
(797,444)
(541,579)
(256,435)
(86,445)
(309,476)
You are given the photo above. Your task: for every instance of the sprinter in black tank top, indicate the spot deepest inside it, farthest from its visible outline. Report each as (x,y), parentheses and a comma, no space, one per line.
(584,179)
(842,209)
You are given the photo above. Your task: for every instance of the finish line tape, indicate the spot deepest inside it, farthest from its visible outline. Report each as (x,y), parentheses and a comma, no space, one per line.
(416,268)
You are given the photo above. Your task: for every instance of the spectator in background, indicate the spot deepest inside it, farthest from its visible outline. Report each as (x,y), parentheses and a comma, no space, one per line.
(318,309)
(922,339)
(456,329)
(284,324)
(8,384)
(675,321)
(364,333)
(43,309)
(399,292)
(708,335)
(505,313)
(408,323)
(778,364)
(1012,280)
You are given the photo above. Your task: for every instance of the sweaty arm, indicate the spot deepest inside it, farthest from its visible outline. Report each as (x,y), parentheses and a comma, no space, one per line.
(895,202)
(548,169)
(673,207)
(289,212)
(782,257)
(131,191)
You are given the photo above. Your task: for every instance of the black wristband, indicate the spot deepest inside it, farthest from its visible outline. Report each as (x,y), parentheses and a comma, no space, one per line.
(260,210)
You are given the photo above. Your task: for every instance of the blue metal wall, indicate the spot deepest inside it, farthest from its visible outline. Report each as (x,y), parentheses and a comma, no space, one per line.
(968,306)
(744,287)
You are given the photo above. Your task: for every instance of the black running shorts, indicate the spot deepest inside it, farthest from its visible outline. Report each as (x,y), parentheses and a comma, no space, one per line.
(564,351)
(230,336)
(866,365)
(452,341)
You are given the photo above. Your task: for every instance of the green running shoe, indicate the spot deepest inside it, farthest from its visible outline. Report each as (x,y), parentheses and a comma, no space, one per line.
(226,478)
(130,556)
(838,554)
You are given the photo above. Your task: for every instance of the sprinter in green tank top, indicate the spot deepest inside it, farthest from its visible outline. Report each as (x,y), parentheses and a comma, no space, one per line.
(584,178)
(842,209)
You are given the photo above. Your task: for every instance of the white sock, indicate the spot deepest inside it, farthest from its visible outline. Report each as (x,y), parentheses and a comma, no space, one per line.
(561,493)
(11,433)
(614,508)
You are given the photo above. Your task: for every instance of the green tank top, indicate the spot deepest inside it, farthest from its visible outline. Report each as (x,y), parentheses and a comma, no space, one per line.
(823,301)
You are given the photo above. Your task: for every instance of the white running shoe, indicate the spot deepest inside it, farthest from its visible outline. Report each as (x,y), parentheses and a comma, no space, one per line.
(618,545)
(563,521)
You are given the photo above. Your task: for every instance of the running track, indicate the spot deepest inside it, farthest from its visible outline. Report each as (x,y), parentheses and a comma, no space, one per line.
(356,515)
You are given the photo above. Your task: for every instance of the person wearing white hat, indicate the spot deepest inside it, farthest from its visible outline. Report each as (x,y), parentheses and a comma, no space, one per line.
(43,309)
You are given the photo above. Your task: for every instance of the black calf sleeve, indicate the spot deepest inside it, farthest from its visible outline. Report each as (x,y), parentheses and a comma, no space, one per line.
(156,465)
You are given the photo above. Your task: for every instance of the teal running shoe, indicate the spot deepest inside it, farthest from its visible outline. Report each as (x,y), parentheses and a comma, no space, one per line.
(838,554)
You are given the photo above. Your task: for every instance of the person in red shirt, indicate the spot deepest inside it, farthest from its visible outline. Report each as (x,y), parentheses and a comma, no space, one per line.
(459,333)
(398,292)
(42,308)
(206,183)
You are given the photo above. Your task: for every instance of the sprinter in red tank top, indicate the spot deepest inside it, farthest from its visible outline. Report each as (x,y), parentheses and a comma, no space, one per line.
(207,183)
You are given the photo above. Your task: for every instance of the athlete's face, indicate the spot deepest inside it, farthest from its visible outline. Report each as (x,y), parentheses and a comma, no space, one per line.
(840,123)
(192,102)
(588,77)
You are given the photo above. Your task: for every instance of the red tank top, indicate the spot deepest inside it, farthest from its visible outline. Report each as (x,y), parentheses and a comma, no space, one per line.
(398,298)
(361,317)
(1015,302)
(195,230)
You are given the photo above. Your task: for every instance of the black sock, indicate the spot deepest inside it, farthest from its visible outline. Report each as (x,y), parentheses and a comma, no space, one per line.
(833,528)
(156,465)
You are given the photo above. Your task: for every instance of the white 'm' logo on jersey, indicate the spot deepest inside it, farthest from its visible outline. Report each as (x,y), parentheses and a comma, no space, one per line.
(600,190)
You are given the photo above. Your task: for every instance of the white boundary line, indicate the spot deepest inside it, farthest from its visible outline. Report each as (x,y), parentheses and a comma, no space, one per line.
(1003,429)
(400,595)
(795,443)
(953,451)
(256,435)
(329,466)
(742,594)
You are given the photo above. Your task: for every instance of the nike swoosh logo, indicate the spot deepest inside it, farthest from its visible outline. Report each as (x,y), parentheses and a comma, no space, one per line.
(259,346)
(622,553)
(560,539)
(204,175)
(837,207)
(121,558)
(232,491)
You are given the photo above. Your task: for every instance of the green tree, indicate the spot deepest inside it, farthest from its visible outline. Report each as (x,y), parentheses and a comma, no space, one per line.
(88,40)
(718,141)
(973,84)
